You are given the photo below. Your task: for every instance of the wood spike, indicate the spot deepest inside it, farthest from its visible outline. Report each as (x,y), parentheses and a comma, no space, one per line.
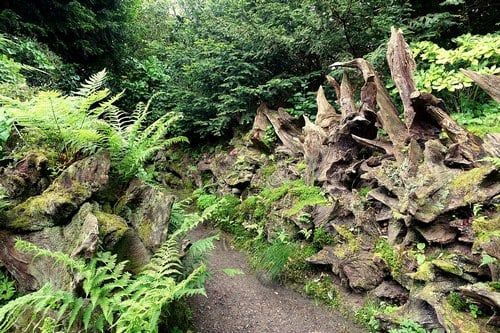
(489,83)
(402,66)
(326,115)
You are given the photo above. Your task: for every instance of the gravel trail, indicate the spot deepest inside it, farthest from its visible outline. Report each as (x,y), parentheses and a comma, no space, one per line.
(244,304)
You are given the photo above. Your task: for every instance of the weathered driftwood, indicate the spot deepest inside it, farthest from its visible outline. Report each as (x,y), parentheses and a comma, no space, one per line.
(490,83)
(326,115)
(402,67)
(260,125)
(422,186)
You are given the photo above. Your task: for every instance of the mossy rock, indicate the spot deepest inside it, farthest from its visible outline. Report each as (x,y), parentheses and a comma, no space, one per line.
(425,272)
(147,209)
(111,228)
(63,197)
(448,266)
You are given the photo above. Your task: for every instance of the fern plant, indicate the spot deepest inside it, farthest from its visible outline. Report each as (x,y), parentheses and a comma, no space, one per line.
(132,143)
(110,298)
(65,122)
(7,289)
(88,120)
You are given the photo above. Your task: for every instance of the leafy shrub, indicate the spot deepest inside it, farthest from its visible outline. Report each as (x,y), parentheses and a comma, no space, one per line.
(482,119)
(440,67)
(23,58)
(439,72)
(366,316)
(409,326)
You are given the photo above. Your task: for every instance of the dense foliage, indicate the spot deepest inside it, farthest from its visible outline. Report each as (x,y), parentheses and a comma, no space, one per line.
(88,121)
(90,33)
(214,61)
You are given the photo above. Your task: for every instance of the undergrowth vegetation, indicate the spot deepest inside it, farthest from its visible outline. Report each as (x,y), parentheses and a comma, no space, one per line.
(109,297)
(284,258)
(87,121)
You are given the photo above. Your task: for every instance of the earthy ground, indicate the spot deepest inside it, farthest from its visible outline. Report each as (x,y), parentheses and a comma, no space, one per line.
(243,304)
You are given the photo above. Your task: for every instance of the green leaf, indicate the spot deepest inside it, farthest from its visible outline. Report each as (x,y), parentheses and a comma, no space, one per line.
(232,272)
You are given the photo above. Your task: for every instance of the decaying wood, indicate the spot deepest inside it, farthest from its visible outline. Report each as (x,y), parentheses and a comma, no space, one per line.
(422,184)
(387,114)
(286,130)
(326,115)
(490,83)
(347,105)
(491,144)
(468,146)
(335,85)
(260,125)
(416,176)
(402,66)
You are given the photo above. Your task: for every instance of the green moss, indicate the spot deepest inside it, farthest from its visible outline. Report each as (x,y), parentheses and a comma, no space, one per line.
(454,319)
(448,266)
(323,290)
(269,170)
(111,224)
(301,166)
(466,182)
(45,210)
(322,238)
(350,243)
(113,227)
(456,301)
(297,268)
(390,255)
(484,228)
(425,272)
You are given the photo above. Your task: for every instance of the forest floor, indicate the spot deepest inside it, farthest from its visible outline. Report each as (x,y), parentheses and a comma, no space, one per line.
(246,303)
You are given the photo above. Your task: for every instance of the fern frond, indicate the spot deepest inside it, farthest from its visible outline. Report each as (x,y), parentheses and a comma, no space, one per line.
(92,84)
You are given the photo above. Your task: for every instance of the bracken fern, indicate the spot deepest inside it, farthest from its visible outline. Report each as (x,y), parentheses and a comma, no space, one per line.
(109,298)
(88,120)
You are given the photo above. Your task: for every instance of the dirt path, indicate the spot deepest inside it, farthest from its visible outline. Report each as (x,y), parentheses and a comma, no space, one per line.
(243,304)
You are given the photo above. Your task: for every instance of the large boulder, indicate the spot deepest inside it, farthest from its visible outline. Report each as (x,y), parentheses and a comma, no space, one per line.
(26,178)
(63,197)
(89,228)
(147,209)
(79,238)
